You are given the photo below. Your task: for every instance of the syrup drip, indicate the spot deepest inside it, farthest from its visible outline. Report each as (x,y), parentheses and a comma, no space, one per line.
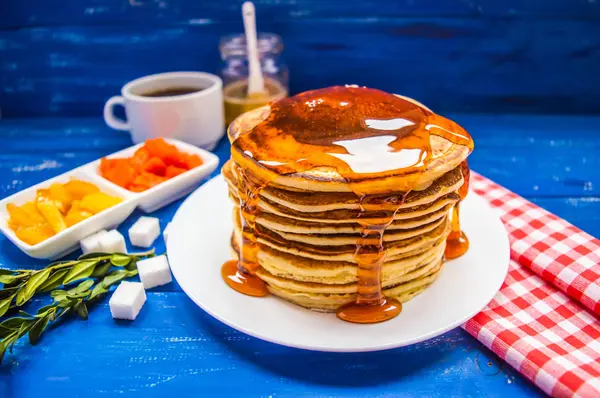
(241,275)
(362,134)
(457,242)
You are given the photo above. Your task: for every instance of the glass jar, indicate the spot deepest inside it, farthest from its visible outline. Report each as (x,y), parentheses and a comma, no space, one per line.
(234,72)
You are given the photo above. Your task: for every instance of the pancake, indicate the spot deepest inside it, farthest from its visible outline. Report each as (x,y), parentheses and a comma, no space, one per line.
(342,273)
(415,273)
(339,238)
(311,202)
(351,216)
(331,302)
(298,262)
(284,224)
(346,252)
(445,156)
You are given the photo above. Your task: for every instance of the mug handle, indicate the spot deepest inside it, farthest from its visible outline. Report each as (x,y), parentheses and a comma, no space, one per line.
(110,118)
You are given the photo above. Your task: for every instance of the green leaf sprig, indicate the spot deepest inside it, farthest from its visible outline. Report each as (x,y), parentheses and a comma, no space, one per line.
(96,272)
(74,300)
(21,285)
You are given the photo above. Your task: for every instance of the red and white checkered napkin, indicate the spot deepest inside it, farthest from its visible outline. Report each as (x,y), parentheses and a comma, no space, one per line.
(538,321)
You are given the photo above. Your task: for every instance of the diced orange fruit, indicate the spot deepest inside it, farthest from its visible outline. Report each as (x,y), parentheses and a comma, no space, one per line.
(60,196)
(194,161)
(52,214)
(21,217)
(57,208)
(44,195)
(140,157)
(97,202)
(119,171)
(78,189)
(153,163)
(148,180)
(155,166)
(160,148)
(174,171)
(34,234)
(76,214)
(32,210)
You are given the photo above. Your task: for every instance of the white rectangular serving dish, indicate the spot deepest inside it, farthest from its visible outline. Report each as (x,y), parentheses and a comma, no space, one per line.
(162,194)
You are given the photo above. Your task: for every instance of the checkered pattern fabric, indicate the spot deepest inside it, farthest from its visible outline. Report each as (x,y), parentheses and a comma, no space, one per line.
(538,321)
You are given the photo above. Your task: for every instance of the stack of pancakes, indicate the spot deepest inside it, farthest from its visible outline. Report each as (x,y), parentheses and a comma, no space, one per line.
(309,224)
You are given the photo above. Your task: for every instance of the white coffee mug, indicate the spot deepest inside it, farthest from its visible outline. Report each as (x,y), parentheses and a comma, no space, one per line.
(196,117)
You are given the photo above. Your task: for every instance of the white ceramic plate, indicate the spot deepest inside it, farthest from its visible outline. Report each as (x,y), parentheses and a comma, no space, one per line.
(199,244)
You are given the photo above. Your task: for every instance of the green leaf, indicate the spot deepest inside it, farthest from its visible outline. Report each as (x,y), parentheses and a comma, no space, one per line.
(146,254)
(120,260)
(25,327)
(4,271)
(98,291)
(58,292)
(102,269)
(55,280)
(28,290)
(2,351)
(13,323)
(11,339)
(81,310)
(114,277)
(8,279)
(5,304)
(78,295)
(132,265)
(80,271)
(41,312)
(66,302)
(81,288)
(61,263)
(131,273)
(37,329)
(8,291)
(90,256)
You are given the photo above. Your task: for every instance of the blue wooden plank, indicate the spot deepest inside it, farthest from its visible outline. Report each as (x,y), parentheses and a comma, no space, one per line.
(175,349)
(86,12)
(470,65)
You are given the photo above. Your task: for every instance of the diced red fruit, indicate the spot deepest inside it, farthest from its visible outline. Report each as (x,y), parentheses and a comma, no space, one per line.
(174,171)
(193,161)
(155,166)
(153,163)
(148,180)
(160,148)
(140,157)
(119,171)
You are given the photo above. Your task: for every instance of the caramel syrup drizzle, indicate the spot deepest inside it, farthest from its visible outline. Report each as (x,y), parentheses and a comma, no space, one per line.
(457,242)
(362,134)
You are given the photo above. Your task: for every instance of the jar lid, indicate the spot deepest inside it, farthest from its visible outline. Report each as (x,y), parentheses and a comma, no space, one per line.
(235,44)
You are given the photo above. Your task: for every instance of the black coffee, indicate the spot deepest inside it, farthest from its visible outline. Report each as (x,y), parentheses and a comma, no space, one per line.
(172,91)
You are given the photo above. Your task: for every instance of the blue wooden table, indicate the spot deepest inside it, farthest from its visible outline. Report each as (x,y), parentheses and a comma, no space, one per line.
(175,349)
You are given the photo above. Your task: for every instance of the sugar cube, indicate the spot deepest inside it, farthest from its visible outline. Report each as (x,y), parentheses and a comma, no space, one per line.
(113,242)
(91,244)
(154,271)
(127,301)
(144,232)
(166,232)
